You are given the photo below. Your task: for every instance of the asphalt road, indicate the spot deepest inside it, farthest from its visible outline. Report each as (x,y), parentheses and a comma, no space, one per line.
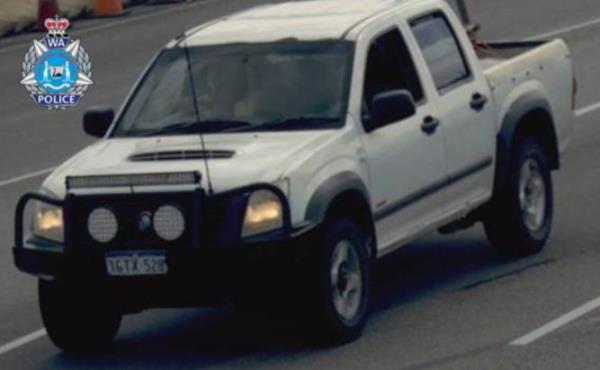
(442,303)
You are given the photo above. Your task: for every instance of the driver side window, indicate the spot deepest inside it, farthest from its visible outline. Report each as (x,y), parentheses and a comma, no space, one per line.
(389,67)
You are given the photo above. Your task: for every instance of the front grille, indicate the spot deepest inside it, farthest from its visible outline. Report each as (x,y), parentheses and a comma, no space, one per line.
(132,212)
(182,155)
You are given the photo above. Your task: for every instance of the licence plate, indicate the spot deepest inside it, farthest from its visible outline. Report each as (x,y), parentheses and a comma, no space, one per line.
(138,263)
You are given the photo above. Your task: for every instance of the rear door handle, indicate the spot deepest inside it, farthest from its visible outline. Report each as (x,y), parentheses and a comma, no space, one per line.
(478,102)
(430,124)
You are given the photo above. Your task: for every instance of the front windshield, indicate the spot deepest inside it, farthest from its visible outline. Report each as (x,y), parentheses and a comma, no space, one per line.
(245,87)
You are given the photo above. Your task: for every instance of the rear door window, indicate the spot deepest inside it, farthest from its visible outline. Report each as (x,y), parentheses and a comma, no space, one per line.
(441,50)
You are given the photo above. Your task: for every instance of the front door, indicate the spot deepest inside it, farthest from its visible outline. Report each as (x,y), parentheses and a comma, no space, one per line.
(407,165)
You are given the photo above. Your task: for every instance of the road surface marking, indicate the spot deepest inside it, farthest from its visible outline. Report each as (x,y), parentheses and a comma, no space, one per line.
(587,110)
(151,14)
(27,176)
(568,29)
(125,20)
(522,341)
(578,113)
(557,323)
(22,341)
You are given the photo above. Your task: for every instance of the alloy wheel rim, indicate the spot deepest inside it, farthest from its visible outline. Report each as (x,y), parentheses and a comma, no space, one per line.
(532,195)
(346,281)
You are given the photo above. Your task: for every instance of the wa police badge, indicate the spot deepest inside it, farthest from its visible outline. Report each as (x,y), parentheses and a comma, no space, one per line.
(57,71)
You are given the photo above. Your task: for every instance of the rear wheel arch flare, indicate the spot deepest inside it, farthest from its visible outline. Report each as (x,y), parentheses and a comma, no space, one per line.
(538,123)
(529,116)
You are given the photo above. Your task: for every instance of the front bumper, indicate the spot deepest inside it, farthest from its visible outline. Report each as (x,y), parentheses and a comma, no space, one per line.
(195,277)
(197,274)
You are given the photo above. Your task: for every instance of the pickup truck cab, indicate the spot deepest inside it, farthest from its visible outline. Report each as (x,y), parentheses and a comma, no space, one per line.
(285,149)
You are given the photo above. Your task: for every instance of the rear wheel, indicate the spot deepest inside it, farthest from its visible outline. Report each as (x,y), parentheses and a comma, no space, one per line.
(520,219)
(77,319)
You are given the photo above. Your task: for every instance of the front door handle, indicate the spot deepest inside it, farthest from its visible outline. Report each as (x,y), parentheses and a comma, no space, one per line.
(430,124)
(478,102)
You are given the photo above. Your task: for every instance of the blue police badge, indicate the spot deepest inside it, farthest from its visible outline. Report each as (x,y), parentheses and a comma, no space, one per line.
(57,71)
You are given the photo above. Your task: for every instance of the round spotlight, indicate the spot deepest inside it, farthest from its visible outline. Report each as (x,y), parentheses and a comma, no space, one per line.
(169,223)
(102,225)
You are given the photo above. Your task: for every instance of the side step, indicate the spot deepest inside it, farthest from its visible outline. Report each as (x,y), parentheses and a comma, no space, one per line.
(464,223)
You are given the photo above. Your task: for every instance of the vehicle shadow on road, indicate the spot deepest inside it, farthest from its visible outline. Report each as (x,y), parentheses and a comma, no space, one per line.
(440,264)
(219,338)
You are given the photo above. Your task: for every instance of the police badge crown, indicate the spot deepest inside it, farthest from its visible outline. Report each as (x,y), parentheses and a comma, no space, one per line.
(57,71)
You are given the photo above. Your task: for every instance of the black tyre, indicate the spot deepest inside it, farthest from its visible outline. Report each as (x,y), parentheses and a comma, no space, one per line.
(77,319)
(343,271)
(519,220)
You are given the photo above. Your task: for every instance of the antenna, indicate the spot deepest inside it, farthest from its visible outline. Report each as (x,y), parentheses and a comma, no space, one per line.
(463,11)
(197,113)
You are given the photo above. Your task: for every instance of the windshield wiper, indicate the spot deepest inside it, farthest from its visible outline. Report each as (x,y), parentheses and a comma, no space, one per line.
(296,123)
(208,126)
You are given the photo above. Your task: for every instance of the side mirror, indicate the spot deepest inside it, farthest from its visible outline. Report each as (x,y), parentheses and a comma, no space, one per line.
(97,121)
(390,107)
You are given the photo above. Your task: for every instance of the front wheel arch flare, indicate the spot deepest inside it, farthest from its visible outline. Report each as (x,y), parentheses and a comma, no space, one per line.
(353,205)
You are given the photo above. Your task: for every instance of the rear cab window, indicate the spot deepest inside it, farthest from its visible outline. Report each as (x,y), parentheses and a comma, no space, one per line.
(442,52)
(390,67)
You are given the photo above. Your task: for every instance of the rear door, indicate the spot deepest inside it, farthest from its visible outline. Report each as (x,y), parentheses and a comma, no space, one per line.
(464,102)
(406,162)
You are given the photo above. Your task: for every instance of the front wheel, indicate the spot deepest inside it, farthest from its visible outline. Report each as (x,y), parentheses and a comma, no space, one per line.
(519,220)
(77,319)
(343,282)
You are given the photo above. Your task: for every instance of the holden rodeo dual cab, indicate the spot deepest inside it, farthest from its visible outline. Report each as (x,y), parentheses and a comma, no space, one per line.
(275,154)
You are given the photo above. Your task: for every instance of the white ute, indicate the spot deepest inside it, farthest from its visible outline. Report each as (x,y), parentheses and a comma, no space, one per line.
(284,149)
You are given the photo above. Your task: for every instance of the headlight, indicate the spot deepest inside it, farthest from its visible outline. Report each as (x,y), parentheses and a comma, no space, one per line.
(263,213)
(48,222)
